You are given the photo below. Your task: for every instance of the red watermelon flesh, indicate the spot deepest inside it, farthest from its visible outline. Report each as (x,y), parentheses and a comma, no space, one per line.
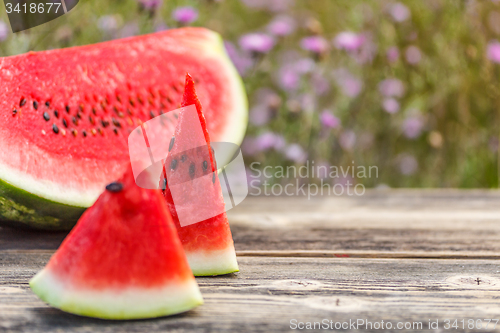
(66,114)
(193,188)
(122,260)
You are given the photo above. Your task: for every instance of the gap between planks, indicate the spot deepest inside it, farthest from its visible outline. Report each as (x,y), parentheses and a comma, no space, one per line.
(333,254)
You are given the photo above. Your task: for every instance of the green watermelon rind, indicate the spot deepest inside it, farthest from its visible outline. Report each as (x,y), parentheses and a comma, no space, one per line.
(178,299)
(20,208)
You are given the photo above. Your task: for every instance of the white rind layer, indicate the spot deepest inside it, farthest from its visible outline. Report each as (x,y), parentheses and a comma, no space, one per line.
(237,122)
(219,262)
(131,303)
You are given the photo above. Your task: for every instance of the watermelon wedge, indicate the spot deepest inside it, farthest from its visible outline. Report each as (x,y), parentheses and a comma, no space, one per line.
(193,173)
(123,260)
(65,115)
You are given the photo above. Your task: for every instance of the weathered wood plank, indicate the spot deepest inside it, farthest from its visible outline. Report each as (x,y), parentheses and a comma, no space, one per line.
(413,223)
(269,292)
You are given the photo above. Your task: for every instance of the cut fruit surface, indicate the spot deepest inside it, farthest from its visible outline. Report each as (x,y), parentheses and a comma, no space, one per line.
(123,260)
(66,115)
(193,189)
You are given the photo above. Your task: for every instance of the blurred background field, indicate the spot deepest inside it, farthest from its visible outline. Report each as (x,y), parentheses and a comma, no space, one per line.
(411,87)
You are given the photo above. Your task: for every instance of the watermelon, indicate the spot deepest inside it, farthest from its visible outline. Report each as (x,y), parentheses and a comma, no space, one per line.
(123,260)
(193,193)
(65,115)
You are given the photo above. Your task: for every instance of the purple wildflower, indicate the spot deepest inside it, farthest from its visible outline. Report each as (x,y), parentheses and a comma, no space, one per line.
(315,44)
(295,153)
(392,54)
(282,25)
(256,43)
(128,30)
(349,84)
(347,140)
(327,119)
(390,105)
(320,84)
(289,79)
(391,88)
(161,27)
(150,5)
(322,170)
(304,65)
(107,23)
(348,41)
(412,127)
(408,165)
(260,115)
(271,5)
(185,15)
(270,140)
(413,55)
(493,51)
(4,31)
(242,62)
(399,12)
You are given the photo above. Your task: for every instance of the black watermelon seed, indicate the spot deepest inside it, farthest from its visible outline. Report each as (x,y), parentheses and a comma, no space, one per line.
(173,164)
(47,104)
(94,111)
(74,120)
(67,108)
(46,116)
(104,123)
(114,187)
(191,170)
(56,113)
(171,145)
(65,123)
(151,114)
(91,120)
(115,109)
(55,128)
(35,105)
(183,158)
(84,133)
(80,108)
(115,130)
(23,101)
(14,111)
(116,122)
(213,178)
(99,130)
(205,165)
(79,115)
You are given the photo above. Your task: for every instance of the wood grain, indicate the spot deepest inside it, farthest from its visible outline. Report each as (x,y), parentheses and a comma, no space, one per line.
(423,223)
(269,292)
(397,256)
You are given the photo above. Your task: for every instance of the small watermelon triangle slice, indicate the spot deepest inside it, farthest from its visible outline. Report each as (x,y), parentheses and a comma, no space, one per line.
(123,260)
(208,243)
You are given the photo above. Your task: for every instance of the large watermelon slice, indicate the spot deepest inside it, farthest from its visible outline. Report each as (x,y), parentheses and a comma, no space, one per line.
(123,260)
(193,188)
(65,115)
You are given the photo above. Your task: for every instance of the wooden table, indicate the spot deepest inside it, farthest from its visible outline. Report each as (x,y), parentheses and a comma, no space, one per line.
(401,256)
